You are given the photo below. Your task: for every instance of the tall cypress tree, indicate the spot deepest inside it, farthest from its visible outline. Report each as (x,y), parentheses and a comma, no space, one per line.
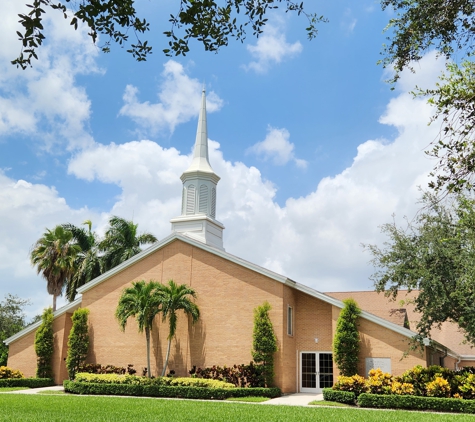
(264,342)
(44,345)
(346,343)
(78,342)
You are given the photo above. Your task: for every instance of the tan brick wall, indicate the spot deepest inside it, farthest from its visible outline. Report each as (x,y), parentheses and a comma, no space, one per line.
(380,342)
(226,295)
(22,355)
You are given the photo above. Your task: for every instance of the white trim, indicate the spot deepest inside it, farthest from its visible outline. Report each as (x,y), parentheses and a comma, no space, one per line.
(318,389)
(69,307)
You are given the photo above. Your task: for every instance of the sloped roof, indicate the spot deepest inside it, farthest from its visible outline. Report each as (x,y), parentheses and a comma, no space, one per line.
(376,303)
(333,300)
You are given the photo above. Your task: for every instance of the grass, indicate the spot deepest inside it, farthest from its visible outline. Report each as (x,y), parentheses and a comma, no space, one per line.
(6,389)
(328,403)
(249,399)
(28,408)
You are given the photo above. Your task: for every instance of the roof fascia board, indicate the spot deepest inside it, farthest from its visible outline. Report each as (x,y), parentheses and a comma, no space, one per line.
(32,327)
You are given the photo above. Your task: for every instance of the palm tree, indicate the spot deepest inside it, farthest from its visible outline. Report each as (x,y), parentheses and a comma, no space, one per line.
(142,301)
(88,264)
(122,242)
(54,255)
(173,299)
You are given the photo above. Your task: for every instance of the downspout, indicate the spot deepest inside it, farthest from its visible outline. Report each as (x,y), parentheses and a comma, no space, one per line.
(457,364)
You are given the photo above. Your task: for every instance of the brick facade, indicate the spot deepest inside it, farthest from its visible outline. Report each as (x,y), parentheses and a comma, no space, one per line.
(227,294)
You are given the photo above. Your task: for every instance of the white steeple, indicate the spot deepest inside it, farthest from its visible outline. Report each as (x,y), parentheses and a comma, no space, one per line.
(198,209)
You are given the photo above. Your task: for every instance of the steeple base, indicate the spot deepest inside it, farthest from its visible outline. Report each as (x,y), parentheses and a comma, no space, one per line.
(201,228)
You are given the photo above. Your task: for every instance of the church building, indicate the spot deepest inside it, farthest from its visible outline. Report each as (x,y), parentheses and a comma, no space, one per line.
(228,290)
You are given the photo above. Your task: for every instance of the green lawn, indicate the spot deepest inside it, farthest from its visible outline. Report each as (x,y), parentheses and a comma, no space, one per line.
(328,403)
(249,399)
(27,408)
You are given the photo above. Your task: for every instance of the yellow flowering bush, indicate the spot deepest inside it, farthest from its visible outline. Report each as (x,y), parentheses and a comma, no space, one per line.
(136,380)
(466,385)
(355,384)
(378,382)
(440,387)
(8,373)
(402,388)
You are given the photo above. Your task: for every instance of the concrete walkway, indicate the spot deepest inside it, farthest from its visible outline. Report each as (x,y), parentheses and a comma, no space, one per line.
(36,390)
(297,399)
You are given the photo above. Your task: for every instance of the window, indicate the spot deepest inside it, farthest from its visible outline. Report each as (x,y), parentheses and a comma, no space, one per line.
(290,321)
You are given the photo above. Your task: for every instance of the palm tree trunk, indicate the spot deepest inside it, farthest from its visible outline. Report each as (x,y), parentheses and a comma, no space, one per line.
(147,336)
(168,355)
(54,302)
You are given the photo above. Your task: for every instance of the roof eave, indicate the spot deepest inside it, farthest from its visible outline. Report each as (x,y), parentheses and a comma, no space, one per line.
(69,307)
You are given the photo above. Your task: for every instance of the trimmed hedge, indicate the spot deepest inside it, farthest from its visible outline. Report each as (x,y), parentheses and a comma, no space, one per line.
(133,379)
(346,397)
(166,391)
(26,382)
(416,403)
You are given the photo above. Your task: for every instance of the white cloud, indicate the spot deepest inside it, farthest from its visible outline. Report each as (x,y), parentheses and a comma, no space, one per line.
(271,48)
(26,209)
(276,146)
(45,100)
(179,97)
(315,239)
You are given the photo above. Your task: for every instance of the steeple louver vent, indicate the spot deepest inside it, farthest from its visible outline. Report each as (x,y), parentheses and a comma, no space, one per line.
(203,199)
(213,202)
(190,200)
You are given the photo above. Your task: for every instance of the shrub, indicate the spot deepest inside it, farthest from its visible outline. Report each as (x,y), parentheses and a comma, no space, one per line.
(346,343)
(97,368)
(378,382)
(239,375)
(402,388)
(44,345)
(466,385)
(440,387)
(160,390)
(264,342)
(420,377)
(6,372)
(346,397)
(355,384)
(26,382)
(78,342)
(416,403)
(164,381)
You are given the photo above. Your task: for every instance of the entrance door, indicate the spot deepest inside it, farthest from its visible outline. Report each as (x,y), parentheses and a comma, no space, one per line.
(316,371)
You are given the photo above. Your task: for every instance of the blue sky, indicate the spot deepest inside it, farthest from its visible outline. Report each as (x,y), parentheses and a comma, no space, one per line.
(314,149)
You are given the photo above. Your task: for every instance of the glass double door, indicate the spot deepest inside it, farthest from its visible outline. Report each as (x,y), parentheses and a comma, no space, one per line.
(316,371)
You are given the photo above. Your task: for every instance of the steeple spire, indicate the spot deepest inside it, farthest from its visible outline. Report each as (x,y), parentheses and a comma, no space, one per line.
(198,210)
(200,154)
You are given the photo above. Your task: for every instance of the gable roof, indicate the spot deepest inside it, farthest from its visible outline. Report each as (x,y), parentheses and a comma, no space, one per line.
(72,306)
(239,261)
(380,305)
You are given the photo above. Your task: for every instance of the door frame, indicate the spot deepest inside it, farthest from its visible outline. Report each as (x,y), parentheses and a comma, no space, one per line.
(317,353)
